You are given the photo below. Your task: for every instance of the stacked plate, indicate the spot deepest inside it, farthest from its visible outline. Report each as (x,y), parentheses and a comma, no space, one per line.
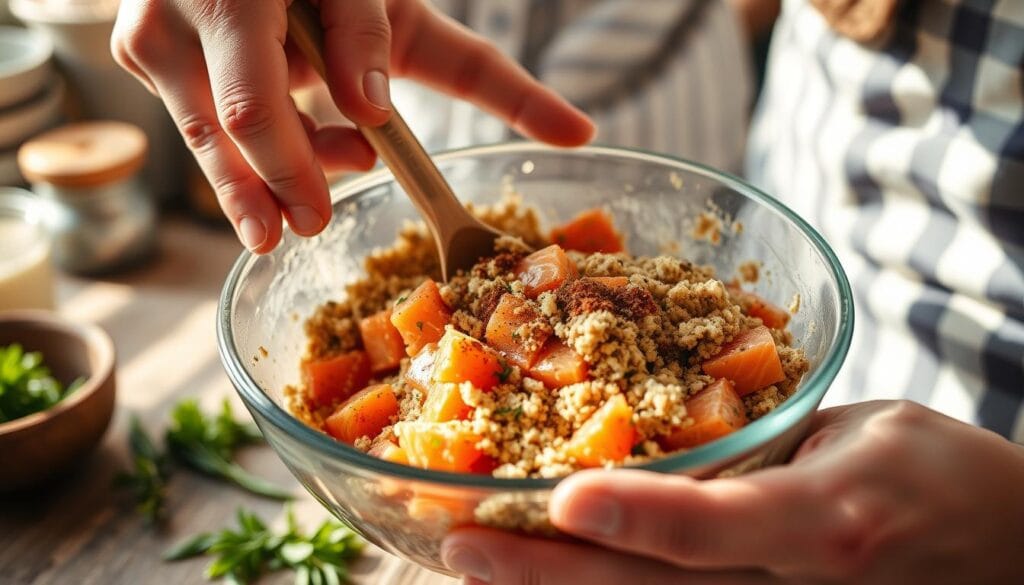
(31,94)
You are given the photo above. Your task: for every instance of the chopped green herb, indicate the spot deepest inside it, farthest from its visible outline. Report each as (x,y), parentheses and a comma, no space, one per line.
(510,412)
(504,373)
(253,550)
(400,300)
(419,325)
(507,286)
(515,335)
(26,385)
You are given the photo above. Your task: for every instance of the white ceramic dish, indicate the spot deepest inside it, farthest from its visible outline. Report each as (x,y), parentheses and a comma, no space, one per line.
(24,63)
(25,120)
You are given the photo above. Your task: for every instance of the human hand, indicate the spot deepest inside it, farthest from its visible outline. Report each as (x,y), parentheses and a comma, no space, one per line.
(879,492)
(223,69)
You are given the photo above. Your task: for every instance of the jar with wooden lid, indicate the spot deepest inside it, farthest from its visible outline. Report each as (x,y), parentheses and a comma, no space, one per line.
(103,216)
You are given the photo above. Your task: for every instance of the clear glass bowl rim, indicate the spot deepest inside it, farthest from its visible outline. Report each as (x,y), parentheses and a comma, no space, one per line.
(756,433)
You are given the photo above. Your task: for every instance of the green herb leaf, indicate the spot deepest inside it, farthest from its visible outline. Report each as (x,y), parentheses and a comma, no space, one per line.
(253,550)
(510,412)
(191,547)
(208,445)
(294,553)
(148,477)
(504,373)
(26,385)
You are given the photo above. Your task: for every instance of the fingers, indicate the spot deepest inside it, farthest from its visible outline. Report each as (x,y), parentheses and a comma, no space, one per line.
(769,519)
(244,50)
(126,41)
(498,558)
(245,199)
(341,148)
(357,49)
(338,148)
(300,73)
(432,48)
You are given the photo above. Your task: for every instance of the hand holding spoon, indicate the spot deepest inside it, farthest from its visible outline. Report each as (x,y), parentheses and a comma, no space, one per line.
(461,239)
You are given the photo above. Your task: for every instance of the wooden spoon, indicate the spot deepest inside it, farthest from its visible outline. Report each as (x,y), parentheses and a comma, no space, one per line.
(461,239)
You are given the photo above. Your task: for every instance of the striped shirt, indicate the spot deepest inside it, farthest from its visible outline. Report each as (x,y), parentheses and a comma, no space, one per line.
(650,72)
(908,155)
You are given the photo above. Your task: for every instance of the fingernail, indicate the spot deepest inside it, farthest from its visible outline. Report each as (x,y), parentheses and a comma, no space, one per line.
(375,87)
(305,220)
(590,515)
(252,231)
(468,562)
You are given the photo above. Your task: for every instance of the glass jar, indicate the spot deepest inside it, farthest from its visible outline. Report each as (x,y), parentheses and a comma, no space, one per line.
(102,216)
(26,272)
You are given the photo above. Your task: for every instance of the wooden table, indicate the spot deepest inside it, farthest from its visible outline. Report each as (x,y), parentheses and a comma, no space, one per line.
(79,530)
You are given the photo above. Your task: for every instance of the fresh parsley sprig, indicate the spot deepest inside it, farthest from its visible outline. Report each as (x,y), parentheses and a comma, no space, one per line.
(26,385)
(245,554)
(208,445)
(197,441)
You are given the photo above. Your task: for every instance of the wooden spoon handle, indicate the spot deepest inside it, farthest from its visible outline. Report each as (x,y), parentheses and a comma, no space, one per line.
(394,141)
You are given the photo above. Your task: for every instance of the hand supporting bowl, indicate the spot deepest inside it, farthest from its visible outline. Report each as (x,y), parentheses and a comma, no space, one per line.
(655,201)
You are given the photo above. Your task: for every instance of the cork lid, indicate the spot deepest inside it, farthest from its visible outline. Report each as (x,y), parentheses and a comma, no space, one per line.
(86,154)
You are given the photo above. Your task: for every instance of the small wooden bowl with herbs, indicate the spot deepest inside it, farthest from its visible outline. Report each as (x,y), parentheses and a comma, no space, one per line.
(56,394)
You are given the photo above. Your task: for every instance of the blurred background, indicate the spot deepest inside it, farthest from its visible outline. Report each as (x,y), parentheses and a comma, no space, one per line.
(635,71)
(105,219)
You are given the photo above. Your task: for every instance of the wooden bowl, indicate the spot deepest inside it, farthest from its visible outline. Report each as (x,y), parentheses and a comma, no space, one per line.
(43,444)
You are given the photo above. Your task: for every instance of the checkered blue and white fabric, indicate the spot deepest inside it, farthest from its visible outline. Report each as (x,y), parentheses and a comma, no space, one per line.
(908,154)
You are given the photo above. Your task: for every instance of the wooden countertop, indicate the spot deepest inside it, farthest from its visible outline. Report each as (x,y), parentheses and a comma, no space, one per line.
(78,529)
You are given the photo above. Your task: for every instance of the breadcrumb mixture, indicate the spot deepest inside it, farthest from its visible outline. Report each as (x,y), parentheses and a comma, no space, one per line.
(645,341)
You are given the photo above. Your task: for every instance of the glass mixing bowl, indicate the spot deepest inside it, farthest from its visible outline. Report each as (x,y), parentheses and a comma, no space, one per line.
(655,201)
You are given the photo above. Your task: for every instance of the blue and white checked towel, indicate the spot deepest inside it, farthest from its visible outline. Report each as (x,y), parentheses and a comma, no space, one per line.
(909,156)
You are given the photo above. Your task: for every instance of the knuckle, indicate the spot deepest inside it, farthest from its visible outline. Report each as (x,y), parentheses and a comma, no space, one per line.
(886,432)
(200,133)
(243,114)
(284,180)
(373,30)
(217,13)
(138,37)
(229,188)
(232,192)
(815,442)
(119,50)
(135,45)
(907,413)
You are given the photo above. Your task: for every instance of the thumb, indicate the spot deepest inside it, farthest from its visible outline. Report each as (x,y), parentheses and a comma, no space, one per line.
(771,519)
(357,50)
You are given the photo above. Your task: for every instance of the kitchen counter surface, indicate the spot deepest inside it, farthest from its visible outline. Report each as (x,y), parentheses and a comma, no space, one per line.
(79,529)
